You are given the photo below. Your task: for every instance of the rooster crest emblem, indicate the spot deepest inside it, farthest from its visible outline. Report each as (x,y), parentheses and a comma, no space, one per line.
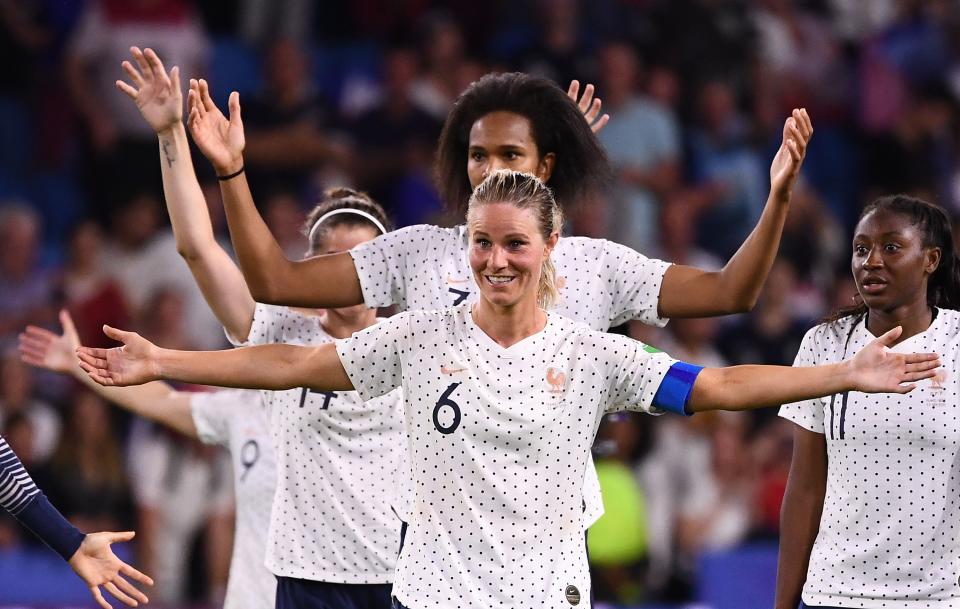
(556,379)
(938,380)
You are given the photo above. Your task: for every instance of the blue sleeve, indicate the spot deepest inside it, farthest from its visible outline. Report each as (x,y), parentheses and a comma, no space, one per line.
(675,388)
(21,497)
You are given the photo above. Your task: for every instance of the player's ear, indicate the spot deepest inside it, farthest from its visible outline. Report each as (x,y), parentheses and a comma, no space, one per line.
(551,243)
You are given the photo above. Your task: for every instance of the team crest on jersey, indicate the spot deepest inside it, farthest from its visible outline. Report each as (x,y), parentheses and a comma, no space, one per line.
(556,380)
(937,388)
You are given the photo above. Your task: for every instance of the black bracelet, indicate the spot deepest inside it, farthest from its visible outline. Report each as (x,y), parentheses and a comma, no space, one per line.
(231,176)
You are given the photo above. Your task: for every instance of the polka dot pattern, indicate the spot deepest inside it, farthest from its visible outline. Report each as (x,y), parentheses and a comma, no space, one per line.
(338,459)
(237,419)
(499,440)
(603,284)
(888,535)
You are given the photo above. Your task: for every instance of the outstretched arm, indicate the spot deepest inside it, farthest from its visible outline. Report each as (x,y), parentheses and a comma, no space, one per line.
(324,281)
(89,556)
(261,367)
(800,514)
(692,292)
(873,369)
(157,401)
(158,97)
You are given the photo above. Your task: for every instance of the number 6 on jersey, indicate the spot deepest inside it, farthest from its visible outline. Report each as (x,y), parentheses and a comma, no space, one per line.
(446,401)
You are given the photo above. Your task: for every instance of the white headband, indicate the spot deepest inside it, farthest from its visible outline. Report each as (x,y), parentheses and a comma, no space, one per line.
(344,210)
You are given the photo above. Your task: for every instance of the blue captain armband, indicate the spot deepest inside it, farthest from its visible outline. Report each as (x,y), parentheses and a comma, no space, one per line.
(675,388)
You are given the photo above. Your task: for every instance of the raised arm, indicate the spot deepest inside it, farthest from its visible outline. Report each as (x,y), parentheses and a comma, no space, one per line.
(800,514)
(874,369)
(160,101)
(693,292)
(89,556)
(157,400)
(324,281)
(261,367)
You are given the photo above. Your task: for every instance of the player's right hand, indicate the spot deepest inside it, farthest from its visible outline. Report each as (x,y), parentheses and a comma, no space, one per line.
(134,363)
(156,93)
(221,140)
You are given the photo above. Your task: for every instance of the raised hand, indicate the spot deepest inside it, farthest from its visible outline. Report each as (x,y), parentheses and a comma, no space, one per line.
(97,565)
(785,168)
(57,352)
(134,363)
(876,369)
(589,105)
(156,93)
(220,139)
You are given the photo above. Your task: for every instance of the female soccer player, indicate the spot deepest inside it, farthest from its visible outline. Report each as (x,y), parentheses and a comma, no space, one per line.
(89,555)
(869,518)
(234,419)
(510,121)
(501,402)
(332,538)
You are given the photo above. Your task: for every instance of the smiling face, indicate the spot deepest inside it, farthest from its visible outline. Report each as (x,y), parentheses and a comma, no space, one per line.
(507,251)
(504,140)
(890,264)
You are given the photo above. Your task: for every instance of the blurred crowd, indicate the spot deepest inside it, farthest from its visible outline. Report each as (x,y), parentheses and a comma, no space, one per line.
(355,93)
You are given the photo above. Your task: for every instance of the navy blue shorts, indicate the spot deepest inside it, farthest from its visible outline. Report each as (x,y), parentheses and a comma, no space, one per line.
(295,593)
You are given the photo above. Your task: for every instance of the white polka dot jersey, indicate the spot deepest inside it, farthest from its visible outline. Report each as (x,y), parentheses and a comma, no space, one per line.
(888,534)
(338,460)
(499,441)
(237,419)
(602,284)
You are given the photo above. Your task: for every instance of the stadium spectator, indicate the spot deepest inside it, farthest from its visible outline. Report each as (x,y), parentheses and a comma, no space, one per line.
(18,398)
(85,477)
(123,151)
(643,145)
(396,136)
(289,125)
(26,289)
(89,291)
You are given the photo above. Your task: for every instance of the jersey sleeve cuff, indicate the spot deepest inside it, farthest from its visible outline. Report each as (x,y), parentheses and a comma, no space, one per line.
(676,387)
(48,524)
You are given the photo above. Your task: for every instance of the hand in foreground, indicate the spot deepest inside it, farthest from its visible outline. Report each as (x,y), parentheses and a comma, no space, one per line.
(156,93)
(588,105)
(42,348)
(96,564)
(785,168)
(221,140)
(134,363)
(876,369)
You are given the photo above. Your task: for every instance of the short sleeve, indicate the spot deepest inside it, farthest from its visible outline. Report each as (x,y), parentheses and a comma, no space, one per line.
(635,372)
(637,283)
(371,357)
(265,329)
(807,413)
(212,413)
(383,263)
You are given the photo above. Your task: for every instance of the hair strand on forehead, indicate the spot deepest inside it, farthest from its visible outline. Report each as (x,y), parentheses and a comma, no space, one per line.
(526,191)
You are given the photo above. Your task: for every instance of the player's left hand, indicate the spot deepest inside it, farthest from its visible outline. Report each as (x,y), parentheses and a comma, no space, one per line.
(876,369)
(96,564)
(785,168)
(589,105)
